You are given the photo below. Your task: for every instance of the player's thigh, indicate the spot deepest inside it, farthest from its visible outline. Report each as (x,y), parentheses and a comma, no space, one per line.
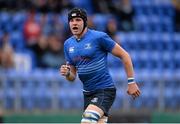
(102,99)
(95,108)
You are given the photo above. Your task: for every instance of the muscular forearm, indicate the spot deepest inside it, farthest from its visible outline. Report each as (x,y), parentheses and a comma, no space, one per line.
(128,65)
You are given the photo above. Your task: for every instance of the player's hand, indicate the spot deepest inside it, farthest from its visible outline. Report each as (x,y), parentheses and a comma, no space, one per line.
(133,90)
(65,70)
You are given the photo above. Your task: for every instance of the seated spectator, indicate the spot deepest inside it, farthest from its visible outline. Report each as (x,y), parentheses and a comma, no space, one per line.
(102,6)
(51,25)
(9,59)
(54,57)
(176,4)
(125,12)
(6,53)
(39,49)
(112,30)
(32,30)
(55,6)
(91,23)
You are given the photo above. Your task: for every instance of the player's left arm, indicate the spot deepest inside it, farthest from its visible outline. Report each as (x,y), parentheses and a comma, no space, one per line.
(133,88)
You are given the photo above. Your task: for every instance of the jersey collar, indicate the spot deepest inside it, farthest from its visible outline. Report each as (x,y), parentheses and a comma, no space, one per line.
(78,40)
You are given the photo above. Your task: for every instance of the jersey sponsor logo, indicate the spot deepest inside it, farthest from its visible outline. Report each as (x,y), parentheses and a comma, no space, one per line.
(95,99)
(88,46)
(71,49)
(81,58)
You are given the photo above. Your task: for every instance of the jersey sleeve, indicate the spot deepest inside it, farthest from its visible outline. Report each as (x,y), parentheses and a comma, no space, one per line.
(107,43)
(67,58)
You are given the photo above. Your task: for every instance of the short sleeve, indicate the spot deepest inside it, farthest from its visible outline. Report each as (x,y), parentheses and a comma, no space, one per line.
(107,43)
(67,58)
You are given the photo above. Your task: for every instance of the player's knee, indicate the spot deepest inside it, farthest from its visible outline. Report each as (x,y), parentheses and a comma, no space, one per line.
(90,116)
(103,120)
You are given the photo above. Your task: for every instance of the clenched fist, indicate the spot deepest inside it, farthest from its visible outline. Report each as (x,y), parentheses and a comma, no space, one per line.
(65,70)
(133,90)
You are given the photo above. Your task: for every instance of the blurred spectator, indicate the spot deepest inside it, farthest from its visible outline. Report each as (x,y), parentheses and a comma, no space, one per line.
(43,6)
(124,10)
(46,24)
(176,4)
(102,6)
(66,4)
(31,30)
(39,49)
(54,57)
(46,6)
(91,23)
(112,30)
(51,24)
(15,4)
(40,5)
(56,6)
(6,53)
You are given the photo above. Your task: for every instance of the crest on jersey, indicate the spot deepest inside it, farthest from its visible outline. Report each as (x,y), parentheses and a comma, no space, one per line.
(71,49)
(87,46)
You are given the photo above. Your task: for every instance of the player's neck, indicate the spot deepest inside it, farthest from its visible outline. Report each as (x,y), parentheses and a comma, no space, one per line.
(82,34)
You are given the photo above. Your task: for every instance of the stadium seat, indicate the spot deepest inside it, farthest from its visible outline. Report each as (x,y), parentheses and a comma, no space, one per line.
(167,24)
(135,59)
(118,103)
(100,21)
(27,97)
(18,20)
(5,21)
(141,23)
(151,98)
(76,98)
(9,98)
(43,96)
(177,96)
(155,42)
(154,60)
(143,41)
(176,41)
(177,59)
(17,41)
(167,58)
(84,4)
(64,98)
(114,62)
(170,89)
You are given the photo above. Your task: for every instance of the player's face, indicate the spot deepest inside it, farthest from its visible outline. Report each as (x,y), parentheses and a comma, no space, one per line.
(76,25)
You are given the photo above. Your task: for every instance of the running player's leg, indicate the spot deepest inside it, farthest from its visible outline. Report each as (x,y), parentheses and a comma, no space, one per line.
(97,106)
(92,114)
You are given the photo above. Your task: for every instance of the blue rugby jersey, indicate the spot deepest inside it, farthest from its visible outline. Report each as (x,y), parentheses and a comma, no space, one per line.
(89,56)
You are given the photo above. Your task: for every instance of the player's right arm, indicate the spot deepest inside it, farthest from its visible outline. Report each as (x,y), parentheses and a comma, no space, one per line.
(68,71)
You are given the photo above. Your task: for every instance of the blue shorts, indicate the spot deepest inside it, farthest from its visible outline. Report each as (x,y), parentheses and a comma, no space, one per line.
(102,98)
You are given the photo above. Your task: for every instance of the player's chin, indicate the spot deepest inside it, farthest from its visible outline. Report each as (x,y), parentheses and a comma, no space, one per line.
(75,33)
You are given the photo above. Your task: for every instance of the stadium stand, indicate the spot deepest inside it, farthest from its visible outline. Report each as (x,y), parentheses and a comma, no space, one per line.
(154,46)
